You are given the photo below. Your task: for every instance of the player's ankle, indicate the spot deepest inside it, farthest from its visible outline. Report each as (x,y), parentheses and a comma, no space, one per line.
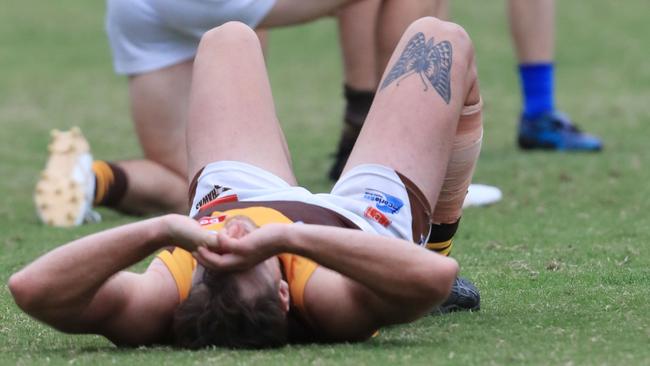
(440,238)
(110,183)
(357,104)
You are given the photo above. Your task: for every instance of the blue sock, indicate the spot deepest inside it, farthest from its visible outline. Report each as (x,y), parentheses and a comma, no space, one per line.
(537,85)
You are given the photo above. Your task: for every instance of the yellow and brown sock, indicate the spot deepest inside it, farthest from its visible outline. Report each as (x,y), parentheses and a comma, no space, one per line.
(110,183)
(440,239)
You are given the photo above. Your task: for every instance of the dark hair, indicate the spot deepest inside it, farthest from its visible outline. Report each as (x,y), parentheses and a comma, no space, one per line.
(216,314)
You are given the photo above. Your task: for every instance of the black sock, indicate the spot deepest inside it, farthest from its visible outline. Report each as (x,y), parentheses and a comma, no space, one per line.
(357,105)
(440,239)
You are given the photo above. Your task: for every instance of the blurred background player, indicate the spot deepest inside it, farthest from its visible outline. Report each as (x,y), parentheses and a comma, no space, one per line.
(541,125)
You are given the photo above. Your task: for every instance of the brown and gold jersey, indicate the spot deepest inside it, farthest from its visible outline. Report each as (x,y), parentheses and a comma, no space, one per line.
(296,270)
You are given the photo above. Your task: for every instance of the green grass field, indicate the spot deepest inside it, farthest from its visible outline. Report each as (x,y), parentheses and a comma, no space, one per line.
(563,262)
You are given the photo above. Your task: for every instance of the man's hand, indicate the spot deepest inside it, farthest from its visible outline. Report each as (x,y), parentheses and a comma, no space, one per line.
(240,252)
(186,233)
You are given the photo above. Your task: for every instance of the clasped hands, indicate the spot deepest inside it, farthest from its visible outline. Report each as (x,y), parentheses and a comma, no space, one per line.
(237,247)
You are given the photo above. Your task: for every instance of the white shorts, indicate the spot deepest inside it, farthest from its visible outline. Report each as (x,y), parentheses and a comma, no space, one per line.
(375,198)
(146,35)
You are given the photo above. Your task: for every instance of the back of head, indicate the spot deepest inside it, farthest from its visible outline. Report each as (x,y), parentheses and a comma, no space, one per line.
(216,314)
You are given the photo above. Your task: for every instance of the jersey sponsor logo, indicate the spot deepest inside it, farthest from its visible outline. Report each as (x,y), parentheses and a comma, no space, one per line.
(384,201)
(209,220)
(220,200)
(211,196)
(375,214)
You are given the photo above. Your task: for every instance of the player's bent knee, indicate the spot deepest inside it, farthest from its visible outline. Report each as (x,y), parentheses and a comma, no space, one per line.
(20,290)
(236,33)
(444,30)
(426,23)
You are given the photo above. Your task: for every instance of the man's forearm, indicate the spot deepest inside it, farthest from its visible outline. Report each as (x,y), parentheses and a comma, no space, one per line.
(388,266)
(75,271)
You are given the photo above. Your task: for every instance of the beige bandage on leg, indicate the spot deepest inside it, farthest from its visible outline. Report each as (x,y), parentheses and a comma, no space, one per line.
(464,154)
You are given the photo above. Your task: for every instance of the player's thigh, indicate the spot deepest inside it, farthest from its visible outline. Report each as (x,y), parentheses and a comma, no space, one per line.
(159,103)
(413,119)
(287,12)
(231,114)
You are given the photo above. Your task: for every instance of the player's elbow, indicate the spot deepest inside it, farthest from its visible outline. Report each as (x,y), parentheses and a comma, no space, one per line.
(444,273)
(431,287)
(23,291)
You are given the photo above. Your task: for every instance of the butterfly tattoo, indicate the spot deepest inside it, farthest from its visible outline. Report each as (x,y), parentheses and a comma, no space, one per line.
(429,60)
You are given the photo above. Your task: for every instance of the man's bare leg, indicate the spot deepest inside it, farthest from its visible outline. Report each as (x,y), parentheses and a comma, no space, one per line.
(441,9)
(394,18)
(152,188)
(231,114)
(477,194)
(157,183)
(412,122)
(532,25)
(368,32)
(357,24)
(159,107)
(427,126)
(357,36)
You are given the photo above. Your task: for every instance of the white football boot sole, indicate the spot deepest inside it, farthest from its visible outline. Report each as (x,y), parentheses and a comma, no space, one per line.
(65,191)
